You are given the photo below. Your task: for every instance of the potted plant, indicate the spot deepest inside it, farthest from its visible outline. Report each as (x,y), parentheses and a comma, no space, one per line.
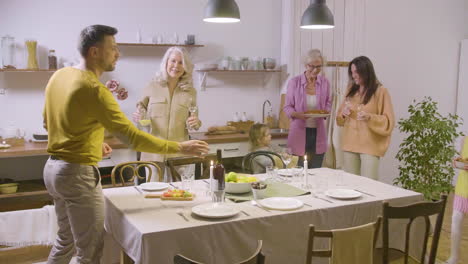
(425,154)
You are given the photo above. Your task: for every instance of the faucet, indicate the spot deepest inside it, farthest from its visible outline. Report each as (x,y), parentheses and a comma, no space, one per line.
(263,110)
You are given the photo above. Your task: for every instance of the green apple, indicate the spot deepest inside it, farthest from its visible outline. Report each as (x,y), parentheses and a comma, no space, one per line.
(231,177)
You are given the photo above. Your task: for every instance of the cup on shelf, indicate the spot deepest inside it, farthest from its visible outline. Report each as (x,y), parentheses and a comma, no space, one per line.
(190,40)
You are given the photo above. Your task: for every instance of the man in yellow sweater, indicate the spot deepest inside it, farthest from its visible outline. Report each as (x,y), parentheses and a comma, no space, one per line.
(78,107)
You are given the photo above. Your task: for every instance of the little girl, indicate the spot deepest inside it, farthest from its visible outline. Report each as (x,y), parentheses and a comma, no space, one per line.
(260,140)
(460,207)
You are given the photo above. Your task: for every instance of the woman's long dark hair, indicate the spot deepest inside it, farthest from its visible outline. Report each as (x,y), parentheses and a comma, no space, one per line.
(366,72)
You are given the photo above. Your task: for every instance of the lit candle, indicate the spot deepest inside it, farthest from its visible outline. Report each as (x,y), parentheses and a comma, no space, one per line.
(211,176)
(306,183)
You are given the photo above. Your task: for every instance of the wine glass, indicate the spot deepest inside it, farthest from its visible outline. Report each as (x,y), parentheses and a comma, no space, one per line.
(193,109)
(359,110)
(286,156)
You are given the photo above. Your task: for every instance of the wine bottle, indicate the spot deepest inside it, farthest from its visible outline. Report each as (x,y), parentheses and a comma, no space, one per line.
(219,172)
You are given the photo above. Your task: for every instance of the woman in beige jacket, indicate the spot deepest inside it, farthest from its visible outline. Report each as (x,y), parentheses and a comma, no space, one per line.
(367,118)
(166,101)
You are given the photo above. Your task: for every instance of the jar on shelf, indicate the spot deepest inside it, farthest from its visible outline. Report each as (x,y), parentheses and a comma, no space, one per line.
(8,52)
(31,46)
(52,60)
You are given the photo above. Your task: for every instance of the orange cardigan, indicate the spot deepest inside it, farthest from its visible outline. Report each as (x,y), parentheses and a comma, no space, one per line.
(368,136)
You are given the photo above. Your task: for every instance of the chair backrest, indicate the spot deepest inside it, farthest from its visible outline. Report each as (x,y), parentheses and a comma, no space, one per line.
(202,165)
(411,212)
(327,253)
(248,159)
(134,167)
(256,258)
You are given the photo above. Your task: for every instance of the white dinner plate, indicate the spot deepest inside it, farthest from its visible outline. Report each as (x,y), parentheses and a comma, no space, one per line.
(285,172)
(215,210)
(316,115)
(281,203)
(153,186)
(343,194)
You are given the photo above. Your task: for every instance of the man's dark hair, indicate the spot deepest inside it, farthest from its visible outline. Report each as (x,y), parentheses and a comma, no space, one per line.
(92,35)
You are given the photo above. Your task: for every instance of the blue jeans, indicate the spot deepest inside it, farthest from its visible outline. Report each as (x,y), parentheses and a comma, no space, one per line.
(314,160)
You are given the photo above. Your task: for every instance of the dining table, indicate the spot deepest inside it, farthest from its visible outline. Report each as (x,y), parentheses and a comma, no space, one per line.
(151,230)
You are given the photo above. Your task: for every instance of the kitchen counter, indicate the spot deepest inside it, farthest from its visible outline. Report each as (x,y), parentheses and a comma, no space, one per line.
(238,137)
(40,148)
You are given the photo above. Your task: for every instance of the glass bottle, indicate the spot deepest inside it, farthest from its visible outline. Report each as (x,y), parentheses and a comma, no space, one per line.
(8,52)
(219,179)
(31,46)
(52,60)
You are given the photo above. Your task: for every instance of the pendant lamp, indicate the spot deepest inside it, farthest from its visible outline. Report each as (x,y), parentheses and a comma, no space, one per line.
(222,11)
(317,16)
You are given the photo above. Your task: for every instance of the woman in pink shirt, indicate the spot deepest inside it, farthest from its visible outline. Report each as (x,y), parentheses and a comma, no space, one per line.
(308,91)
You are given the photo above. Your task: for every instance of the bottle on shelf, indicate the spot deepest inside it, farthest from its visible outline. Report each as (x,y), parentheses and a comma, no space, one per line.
(236,117)
(219,179)
(52,60)
(244,117)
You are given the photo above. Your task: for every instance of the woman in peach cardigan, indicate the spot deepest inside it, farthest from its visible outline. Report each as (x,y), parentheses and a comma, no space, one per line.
(367,118)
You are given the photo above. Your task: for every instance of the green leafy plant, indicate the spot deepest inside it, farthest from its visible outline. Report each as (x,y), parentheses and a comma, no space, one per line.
(426,153)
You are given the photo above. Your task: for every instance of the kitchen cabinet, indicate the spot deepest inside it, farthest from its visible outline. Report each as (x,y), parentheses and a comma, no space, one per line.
(203,74)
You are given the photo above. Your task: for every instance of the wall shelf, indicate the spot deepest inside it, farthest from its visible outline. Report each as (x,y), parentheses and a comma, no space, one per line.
(26,70)
(203,74)
(158,45)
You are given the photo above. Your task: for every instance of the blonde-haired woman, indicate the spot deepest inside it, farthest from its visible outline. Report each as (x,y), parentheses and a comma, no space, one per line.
(308,91)
(166,101)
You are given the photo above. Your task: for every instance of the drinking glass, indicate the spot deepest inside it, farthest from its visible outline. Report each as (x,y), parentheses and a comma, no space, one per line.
(286,155)
(144,123)
(321,184)
(339,177)
(193,109)
(272,174)
(297,173)
(359,110)
(188,176)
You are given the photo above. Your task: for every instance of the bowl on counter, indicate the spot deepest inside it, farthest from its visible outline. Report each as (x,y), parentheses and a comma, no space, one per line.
(40,136)
(7,188)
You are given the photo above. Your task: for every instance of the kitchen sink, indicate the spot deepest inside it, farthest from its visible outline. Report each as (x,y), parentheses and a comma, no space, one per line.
(279,131)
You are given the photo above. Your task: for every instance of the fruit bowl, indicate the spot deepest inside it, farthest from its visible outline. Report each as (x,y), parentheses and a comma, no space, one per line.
(239,183)
(237,187)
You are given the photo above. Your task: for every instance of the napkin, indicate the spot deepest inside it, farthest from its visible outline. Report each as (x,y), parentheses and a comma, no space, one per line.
(275,189)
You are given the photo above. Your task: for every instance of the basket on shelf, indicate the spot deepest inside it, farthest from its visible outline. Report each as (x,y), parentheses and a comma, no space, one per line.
(241,125)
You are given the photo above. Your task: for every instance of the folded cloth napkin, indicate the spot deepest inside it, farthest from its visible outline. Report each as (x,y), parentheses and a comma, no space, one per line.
(353,245)
(275,189)
(28,227)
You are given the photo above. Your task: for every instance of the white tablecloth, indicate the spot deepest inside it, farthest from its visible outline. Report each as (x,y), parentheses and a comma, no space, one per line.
(151,231)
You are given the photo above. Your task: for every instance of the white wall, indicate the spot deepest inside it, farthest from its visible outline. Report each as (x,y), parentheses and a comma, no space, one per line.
(415,48)
(56,24)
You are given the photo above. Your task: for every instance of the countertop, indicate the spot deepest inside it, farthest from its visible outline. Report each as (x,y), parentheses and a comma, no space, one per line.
(40,148)
(238,137)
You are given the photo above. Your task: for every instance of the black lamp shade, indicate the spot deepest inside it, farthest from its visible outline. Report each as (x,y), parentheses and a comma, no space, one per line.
(222,11)
(317,16)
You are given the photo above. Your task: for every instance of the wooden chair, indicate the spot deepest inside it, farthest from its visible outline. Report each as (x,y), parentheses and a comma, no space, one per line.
(256,258)
(202,165)
(134,167)
(411,212)
(329,234)
(248,159)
